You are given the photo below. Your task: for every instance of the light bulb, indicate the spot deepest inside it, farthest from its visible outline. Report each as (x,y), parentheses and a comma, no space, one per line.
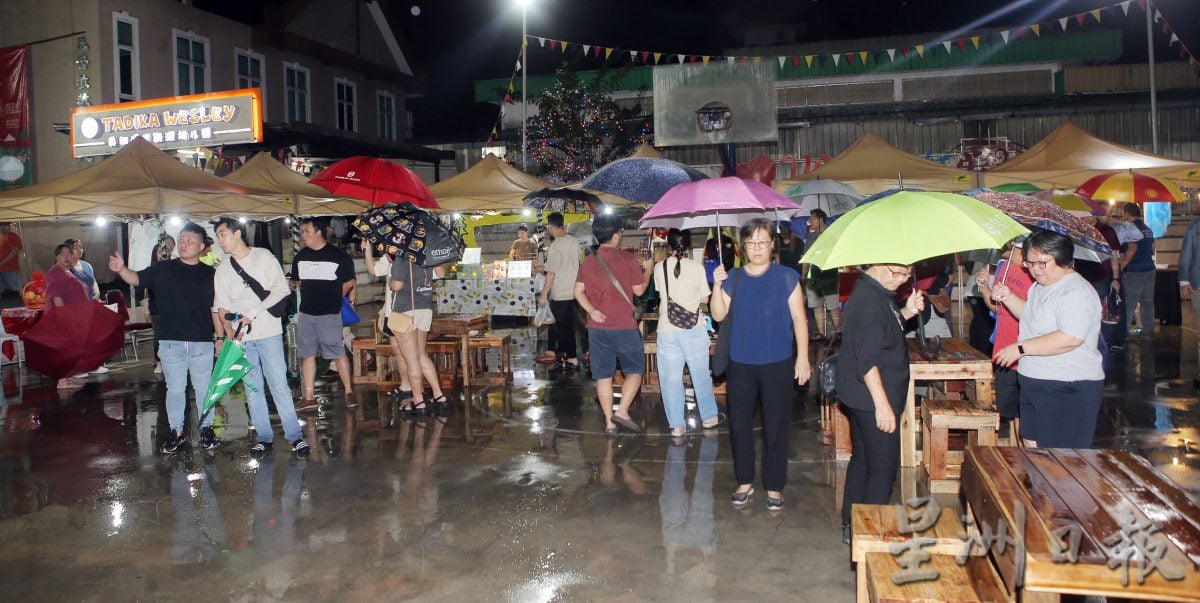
(101,220)
(174,221)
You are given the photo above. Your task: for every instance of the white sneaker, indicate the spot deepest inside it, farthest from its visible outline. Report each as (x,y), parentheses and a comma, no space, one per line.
(157,368)
(100,371)
(80,376)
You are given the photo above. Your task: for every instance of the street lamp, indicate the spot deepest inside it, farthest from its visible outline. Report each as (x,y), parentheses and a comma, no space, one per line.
(524,4)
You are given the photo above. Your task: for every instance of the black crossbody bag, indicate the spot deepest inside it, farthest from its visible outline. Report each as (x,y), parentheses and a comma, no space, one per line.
(280,309)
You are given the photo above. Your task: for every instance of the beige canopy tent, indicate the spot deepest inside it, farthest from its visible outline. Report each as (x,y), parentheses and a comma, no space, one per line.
(647,151)
(138,180)
(1070,155)
(492,184)
(298,196)
(871,165)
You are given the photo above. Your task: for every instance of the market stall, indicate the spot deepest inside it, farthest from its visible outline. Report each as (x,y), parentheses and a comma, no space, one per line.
(871,165)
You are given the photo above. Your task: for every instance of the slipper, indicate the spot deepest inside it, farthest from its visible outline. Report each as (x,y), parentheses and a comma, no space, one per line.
(715,421)
(611,430)
(626,423)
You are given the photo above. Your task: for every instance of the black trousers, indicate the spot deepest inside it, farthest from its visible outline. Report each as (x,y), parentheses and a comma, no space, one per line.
(748,384)
(873,462)
(562,332)
(981,327)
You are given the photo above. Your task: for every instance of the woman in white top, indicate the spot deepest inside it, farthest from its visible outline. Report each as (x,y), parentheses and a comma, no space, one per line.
(682,334)
(383,267)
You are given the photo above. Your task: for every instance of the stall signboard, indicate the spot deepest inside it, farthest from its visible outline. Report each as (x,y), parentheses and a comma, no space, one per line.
(177,122)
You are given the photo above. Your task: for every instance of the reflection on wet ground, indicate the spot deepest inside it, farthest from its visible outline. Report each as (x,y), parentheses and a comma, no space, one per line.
(516,495)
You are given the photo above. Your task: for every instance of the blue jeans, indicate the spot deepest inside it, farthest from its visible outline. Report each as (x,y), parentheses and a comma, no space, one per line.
(675,348)
(179,358)
(266,356)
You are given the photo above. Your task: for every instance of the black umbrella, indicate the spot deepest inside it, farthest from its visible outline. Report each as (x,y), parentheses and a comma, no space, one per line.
(563,199)
(402,230)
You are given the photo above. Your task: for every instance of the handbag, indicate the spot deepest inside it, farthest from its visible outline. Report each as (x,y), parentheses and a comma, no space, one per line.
(637,310)
(827,371)
(720,360)
(402,322)
(280,309)
(677,315)
(349,315)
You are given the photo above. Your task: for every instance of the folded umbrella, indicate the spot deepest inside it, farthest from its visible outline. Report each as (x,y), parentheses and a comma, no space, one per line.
(232,365)
(73,339)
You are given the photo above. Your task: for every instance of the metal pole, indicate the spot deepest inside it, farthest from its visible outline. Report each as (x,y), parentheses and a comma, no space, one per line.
(524,93)
(1153,93)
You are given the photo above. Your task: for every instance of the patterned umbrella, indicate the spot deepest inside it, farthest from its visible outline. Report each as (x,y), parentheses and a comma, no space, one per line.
(1130,187)
(1035,213)
(563,199)
(402,230)
(641,179)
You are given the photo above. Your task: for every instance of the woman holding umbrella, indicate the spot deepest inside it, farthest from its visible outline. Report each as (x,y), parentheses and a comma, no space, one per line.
(769,348)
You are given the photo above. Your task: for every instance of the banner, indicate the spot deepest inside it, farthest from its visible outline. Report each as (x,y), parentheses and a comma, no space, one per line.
(15,164)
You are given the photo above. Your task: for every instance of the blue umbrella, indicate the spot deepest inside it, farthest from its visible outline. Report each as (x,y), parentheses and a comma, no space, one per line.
(641,179)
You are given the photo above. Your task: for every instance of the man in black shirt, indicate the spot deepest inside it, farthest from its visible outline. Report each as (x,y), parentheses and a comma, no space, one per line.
(326,274)
(183,288)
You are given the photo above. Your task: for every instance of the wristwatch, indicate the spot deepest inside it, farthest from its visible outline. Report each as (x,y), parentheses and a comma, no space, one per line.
(1021,349)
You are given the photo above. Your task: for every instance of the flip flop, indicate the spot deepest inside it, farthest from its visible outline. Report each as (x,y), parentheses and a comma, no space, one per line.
(626,423)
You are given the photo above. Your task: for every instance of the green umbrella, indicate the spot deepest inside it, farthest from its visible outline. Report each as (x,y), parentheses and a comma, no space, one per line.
(909,226)
(1016,187)
(231,366)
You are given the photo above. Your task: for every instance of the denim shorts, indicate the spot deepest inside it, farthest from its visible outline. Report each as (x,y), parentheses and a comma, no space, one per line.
(608,346)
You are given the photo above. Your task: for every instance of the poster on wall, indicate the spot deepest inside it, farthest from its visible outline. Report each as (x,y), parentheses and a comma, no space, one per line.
(15,157)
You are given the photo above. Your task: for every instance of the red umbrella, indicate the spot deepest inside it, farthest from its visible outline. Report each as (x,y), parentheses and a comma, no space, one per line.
(73,339)
(376,180)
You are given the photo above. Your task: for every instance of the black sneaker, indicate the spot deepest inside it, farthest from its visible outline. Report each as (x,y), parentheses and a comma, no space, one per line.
(261,449)
(208,438)
(300,447)
(175,442)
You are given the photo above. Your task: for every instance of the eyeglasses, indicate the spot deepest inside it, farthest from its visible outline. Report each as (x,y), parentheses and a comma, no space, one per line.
(1039,265)
(902,274)
(752,244)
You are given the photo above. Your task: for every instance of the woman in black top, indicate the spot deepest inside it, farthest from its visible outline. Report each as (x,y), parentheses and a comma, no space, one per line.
(872,383)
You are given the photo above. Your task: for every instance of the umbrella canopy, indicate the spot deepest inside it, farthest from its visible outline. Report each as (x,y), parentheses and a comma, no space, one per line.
(1024,188)
(563,199)
(830,196)
(729,201)
(263,172)
(1035,213)
(641,179)
(231,366)
(404,231)
(909,226)
(73,339)
(138,180)
(378,181)
(490,184)
(1129,186)
(1070,202)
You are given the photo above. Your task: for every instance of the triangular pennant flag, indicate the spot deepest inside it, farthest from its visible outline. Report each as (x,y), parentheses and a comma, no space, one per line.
(510,88)
(892,54)
(904,51)
(1021,33)
(564,47)
(1173,40)
(681,57)
(494,132)
(553,44)
(524,41)
(657,56)
(1125,7)
(1192,61)
(920,50)
(1004,36)
(1063,23)
(1142,3)
(596,51)
(692,58)
(1157,16)
(586,48)
(518,67)
(1079,18)
(962,44)
(808,60)
(862,56)
(1166,28)
(1037,29)
(541,41)
(607,53)
(849,58)
(1096,14)
(781,61)
(633,57)
(836,58)
(509,99)
(645,56)
(704,59)
(946,45)
(757,59)
(731,60)
(975,42)
(795,61)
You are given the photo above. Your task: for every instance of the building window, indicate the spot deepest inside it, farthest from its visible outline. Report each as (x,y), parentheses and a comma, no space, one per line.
(387,115)
(344,95)
(191,64)
(127,61)
(249,69)
(296,92)
(409,129)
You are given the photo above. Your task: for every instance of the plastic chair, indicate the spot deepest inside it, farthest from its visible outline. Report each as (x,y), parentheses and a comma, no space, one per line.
(135,332)
(18,356)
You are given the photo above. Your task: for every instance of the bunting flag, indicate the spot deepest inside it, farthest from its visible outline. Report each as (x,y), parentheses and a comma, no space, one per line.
(946,45)
(1079,18)
(835,59)
(892,54)
(962,44)
(1037,29)
(1096,14)
(808,58)
(1125,7)
(680,58)
(795,61)
(645,56)
(1174,39)
(586,48)
(633,57)
(553,44)
(782,59)
(920,50)
(1004,36)
(975,42)
(862,56)
(1063,23)
(904,51)
(731,60)
(596,52)
(542,42)
(849,58)
(564,47)
(657,56)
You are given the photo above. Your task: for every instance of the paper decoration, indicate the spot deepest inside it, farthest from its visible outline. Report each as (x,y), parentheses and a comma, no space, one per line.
(520,269)
(471,255)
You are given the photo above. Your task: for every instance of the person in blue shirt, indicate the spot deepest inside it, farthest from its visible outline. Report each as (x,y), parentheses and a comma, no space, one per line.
(769,349)
(1137,274)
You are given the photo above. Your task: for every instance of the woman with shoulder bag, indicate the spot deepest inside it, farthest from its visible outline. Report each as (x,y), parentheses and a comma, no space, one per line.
(377,268)
(411,320)
(682,336)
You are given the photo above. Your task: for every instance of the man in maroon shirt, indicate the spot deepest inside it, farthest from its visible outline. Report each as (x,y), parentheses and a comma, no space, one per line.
(605,288)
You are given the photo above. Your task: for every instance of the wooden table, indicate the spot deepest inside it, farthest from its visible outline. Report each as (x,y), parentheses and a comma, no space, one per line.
(460,325)
(1092,494)
(957,361)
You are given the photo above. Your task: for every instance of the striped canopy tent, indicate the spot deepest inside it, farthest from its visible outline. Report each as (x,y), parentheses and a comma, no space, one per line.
(871,165)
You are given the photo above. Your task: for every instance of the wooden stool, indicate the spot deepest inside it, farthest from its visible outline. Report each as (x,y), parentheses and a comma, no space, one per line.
(938,417)
(874,531)
(446,353)
(362,351)
(976,580)
(492,341)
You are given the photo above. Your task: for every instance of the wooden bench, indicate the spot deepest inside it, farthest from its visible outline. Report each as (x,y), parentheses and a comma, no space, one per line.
(492,341)
(362,352)
(443,352)
(976,580)
(874,531)
(938,418)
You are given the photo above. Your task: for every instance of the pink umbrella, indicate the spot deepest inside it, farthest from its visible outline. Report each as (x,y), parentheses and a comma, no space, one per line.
(729,201)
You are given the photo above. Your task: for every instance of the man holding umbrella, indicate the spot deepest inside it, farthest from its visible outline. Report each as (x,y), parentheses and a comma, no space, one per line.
(186,324)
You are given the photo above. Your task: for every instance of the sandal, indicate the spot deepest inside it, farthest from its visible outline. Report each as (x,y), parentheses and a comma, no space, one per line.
(415,410)
(440,403)
(401,394)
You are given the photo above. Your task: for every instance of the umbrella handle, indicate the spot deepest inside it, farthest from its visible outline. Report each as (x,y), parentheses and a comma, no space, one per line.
(236,317)
(929,349)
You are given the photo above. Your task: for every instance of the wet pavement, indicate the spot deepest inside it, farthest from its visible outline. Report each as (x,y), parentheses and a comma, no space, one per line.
(515,495)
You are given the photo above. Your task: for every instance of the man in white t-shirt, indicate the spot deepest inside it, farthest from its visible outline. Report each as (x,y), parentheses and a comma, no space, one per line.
(562,266)
(261,332)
